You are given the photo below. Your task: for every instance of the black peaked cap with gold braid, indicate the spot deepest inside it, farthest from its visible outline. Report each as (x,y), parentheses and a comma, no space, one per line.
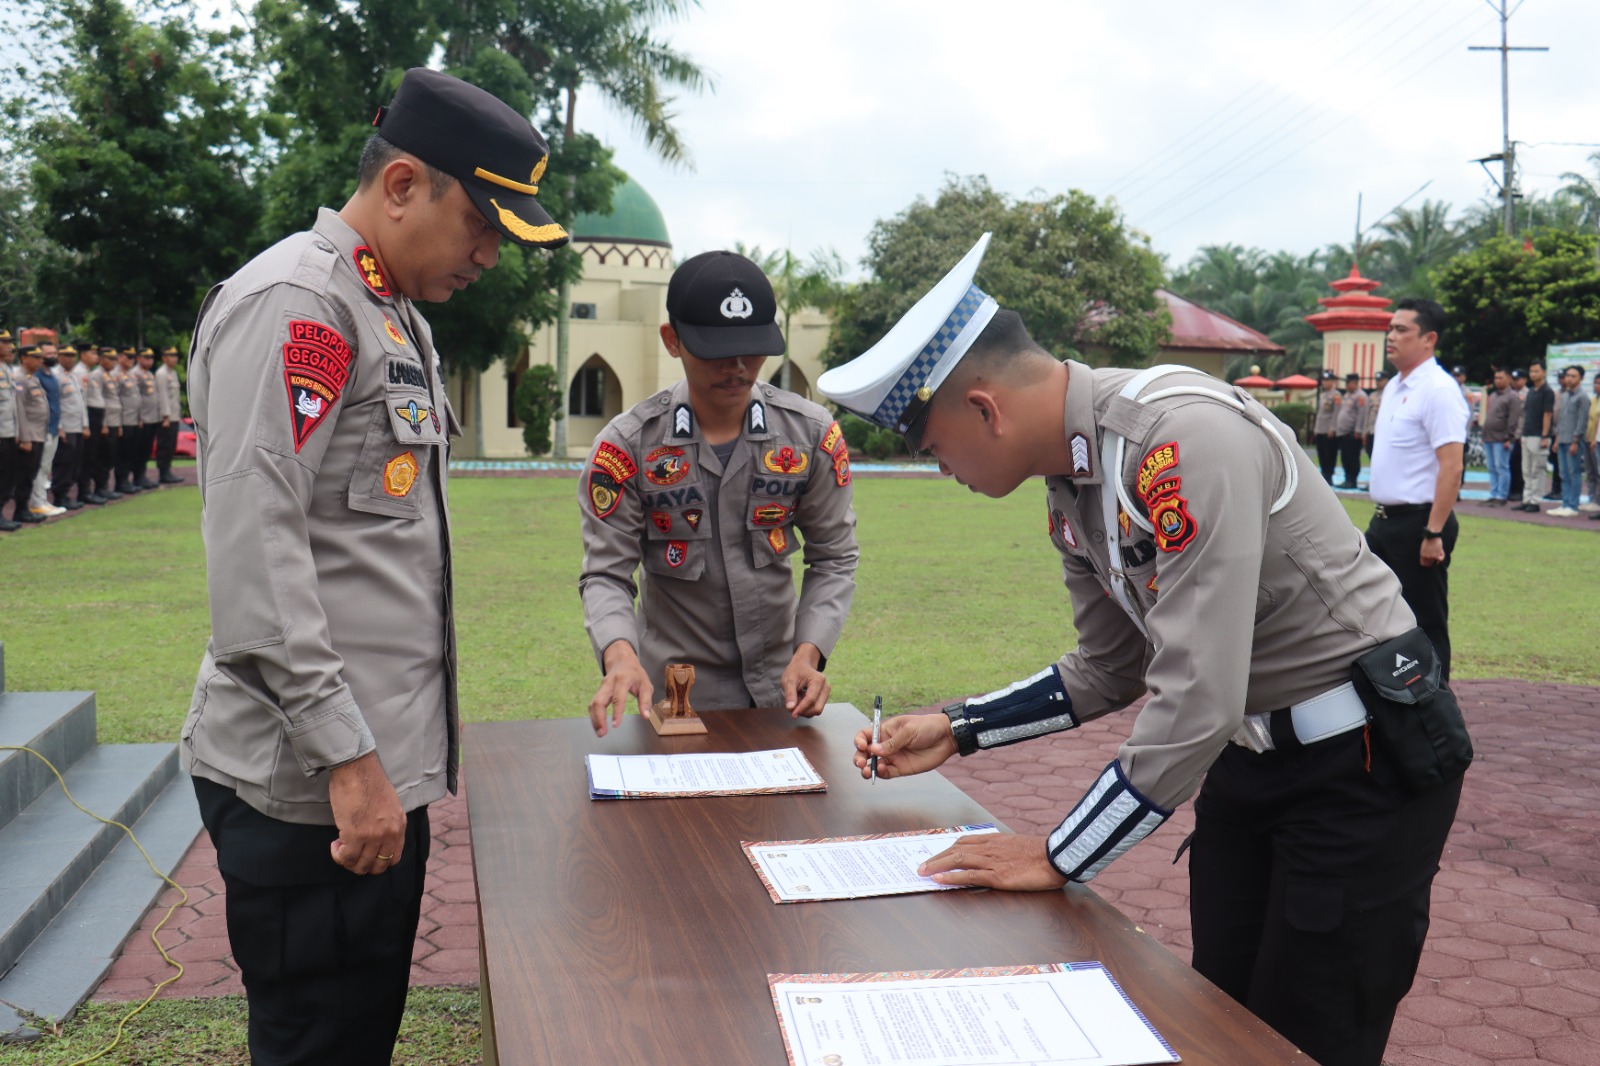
(479,140)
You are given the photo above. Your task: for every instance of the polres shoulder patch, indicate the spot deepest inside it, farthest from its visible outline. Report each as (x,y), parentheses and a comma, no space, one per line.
(1161,458)
(316,365)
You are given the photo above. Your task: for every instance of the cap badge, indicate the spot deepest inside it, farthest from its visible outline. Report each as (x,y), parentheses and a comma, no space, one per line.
(737,305)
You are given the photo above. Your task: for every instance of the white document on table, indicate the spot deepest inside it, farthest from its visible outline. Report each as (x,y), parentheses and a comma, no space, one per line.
(880,864)
(743,773)
(1057,1014)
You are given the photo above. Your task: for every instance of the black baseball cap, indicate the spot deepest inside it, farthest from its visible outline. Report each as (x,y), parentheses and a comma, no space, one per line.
(1352,376)
(1329,375)
(722,307)
(478,139)
(1459,371)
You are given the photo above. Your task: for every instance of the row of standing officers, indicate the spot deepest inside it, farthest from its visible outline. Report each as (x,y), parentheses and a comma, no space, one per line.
(77,427)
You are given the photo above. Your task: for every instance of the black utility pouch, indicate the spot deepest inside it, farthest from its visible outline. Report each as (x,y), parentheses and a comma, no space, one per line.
(1414,717)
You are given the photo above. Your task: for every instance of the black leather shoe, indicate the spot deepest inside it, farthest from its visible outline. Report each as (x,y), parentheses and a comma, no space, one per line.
(148,484)
(71,505)
(1531,508)
(113,495)
(171,479)
(28,518)
(130,489)
(94,499)
(8,526)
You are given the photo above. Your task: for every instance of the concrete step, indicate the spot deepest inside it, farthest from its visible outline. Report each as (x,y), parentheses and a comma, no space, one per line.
(65,962)
(58,725)
(50,850)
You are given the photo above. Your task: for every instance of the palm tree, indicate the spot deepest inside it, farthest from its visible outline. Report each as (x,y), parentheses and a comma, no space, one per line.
(1583,191)
(613,47)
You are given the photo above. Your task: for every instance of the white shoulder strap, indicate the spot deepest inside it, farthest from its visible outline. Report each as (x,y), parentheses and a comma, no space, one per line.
(1113,446)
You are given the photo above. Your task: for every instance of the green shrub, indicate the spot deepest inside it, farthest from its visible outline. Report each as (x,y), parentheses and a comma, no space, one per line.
(1297,416)
(882,443)
(536,401)
(856,431)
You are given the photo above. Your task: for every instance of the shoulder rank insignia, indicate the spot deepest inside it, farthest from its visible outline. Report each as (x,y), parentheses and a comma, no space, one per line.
(399,474)
(785,460)
(370,271)
(1082,465)
(1161,458)
(316,365)
(666,466)
(683,421)
(1175,527)
(758,417)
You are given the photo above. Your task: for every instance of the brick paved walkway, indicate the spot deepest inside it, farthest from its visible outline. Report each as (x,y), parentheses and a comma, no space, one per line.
(1510,976)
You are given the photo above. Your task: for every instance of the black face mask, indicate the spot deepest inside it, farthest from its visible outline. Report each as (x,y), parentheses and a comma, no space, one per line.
(50,361)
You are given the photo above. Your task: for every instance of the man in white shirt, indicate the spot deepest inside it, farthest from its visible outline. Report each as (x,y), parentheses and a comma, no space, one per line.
(1416,469)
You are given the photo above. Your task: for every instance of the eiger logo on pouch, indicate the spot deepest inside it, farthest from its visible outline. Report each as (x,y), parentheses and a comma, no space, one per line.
(1402,664)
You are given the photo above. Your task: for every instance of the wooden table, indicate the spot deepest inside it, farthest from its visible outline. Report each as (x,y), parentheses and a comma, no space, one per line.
(635,931)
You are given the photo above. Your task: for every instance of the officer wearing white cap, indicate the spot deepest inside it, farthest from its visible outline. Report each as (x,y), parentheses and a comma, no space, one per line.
(324,718)
(711,487)
(1210,568)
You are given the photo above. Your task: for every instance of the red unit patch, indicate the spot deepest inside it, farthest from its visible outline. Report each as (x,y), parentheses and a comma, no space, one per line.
(614,461)
(316,365)
(662,520)
(666,466)
(1175,527)
(778,539)
(1167,486)
(841,465)
(677,552)
(693,518)
(831,439)
(1162,457)
(604,492)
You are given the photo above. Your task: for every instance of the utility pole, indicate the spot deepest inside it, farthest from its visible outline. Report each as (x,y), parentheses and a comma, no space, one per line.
(1508,150)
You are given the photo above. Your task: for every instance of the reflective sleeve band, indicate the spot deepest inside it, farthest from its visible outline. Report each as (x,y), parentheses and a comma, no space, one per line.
(1029,708)
(1112,818)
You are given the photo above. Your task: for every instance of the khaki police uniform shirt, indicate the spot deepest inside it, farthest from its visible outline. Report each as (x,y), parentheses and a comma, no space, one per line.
(323,427)
(93,387)
(170,403)
(1247,612)
(149,402)
(715,542)
(111,394)
(1328,403)
(8,405)
(128,395)
(33,409)
(1352,410)
(74,414)
(1369,419)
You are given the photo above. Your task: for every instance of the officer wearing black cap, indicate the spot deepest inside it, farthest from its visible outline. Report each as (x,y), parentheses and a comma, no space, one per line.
(324,718)
(169,391)
(1369,420)
(1325,430)
(711,487)
(8,425)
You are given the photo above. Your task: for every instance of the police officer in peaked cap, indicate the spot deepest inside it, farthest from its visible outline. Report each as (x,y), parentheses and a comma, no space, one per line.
(1211,569)
(325,718)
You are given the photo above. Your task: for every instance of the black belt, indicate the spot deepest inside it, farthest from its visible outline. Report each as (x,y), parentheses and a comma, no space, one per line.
(1395,510)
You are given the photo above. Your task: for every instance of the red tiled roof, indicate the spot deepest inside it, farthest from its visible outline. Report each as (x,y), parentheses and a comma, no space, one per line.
(1196,327)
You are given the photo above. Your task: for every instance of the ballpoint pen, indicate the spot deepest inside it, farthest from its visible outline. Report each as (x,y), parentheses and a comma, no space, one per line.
(877,720)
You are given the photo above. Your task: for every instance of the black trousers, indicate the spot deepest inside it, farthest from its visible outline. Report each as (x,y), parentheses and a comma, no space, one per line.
(141,456)
(1309,878)
(110,448)
(26,470)
(9,457)
(1350,456)
(89,466)
(64,468)
(166,446)
(325,954)
(1327,454)
(128,452)
(1397,540)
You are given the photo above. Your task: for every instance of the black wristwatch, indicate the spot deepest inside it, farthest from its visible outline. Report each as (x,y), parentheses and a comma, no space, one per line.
(960,728)
(1428,534)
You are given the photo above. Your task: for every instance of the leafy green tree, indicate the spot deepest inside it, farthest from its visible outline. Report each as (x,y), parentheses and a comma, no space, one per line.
(141,143)
(798,283)
(1508,302)
(1271,294)
(1082,281)
(537,399)
(1582,191)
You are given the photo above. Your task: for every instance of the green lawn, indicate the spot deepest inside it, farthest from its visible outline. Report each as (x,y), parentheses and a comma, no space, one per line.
(955,594)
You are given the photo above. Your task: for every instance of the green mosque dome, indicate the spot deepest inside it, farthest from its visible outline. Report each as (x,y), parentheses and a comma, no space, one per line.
(634,219)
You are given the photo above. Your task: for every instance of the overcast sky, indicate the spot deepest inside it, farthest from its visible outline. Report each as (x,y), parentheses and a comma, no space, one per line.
(1251,121)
